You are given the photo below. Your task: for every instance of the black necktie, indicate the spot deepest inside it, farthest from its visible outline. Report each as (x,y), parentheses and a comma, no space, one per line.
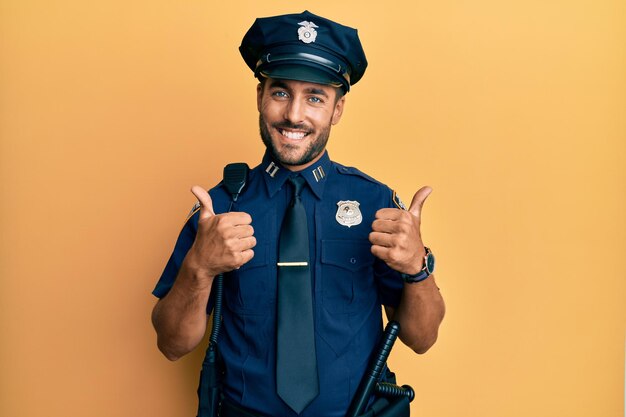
(296,364)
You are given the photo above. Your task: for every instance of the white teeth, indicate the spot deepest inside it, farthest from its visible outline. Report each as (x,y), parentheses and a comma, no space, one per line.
(293,135)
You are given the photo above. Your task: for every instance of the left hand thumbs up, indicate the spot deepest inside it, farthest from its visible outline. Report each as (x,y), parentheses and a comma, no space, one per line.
(418,201)
(396,236)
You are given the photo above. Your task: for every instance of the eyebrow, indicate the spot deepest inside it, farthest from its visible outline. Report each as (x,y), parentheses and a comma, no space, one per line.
(317,91)
(279,84)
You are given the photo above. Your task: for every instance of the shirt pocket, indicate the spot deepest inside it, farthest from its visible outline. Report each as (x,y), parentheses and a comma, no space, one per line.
(347,275)
(249,289)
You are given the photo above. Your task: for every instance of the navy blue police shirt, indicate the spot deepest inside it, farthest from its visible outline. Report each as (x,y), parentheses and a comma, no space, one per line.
(349,283)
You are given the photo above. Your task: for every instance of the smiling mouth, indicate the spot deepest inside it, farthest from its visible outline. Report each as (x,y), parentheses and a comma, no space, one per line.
(293,135)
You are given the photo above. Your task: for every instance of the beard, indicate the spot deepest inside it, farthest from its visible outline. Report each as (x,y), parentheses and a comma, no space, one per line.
(288,155)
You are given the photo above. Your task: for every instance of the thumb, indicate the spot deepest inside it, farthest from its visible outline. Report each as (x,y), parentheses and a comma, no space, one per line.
(205,201)
(418,200)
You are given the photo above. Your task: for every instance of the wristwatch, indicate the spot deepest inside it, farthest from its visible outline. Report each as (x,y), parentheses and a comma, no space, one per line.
(429,268)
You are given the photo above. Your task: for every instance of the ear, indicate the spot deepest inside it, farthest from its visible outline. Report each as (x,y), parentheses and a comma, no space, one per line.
(338,111)
(259,96)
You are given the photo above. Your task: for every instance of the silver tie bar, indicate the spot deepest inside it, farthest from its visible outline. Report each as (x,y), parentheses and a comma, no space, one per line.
(292,264)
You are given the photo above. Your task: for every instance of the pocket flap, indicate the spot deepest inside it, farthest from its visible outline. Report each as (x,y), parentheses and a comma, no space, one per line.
(349,254)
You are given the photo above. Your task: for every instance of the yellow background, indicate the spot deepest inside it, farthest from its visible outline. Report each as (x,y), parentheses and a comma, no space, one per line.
(513,111)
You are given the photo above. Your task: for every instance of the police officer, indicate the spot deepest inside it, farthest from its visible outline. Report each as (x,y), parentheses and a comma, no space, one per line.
(360,248)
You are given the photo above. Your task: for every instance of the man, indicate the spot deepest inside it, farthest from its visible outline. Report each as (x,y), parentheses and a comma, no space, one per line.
(302,309)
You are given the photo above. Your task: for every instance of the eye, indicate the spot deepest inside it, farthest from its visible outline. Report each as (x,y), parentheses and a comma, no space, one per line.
(280,94)
(316,100)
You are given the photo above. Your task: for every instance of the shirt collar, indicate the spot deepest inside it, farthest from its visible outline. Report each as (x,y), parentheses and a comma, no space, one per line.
(315,175)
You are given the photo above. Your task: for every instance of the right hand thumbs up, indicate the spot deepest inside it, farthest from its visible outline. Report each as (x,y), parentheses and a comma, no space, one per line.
(223,242)
(206,203)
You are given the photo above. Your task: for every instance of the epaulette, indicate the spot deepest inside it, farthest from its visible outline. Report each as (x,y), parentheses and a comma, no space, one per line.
(356,172)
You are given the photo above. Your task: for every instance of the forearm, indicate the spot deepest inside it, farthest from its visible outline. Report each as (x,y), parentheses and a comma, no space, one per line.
(420,313)
(180,318)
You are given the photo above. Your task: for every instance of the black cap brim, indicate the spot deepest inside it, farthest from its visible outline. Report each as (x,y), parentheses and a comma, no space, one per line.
(300,72)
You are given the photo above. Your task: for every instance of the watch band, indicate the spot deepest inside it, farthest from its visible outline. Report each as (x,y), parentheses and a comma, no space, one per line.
(427,269)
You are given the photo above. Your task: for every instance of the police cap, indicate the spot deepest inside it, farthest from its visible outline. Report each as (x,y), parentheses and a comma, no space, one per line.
(304,47)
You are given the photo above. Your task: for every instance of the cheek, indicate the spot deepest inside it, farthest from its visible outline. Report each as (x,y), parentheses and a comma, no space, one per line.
(270,110)
(320,117)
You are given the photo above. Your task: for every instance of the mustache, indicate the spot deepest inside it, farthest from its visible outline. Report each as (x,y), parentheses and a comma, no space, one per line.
(294,126)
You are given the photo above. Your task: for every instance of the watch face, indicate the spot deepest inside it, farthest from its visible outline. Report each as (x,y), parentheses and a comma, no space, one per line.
(430,263)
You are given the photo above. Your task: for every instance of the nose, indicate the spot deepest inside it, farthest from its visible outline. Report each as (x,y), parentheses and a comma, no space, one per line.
(294,111)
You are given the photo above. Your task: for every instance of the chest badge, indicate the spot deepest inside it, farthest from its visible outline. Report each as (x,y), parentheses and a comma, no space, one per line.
(348,213)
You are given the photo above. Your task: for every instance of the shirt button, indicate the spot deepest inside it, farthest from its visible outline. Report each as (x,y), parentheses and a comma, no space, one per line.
(352,261)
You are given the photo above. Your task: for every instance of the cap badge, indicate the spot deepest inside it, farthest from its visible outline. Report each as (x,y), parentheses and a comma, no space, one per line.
(348,213)
(307,32)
